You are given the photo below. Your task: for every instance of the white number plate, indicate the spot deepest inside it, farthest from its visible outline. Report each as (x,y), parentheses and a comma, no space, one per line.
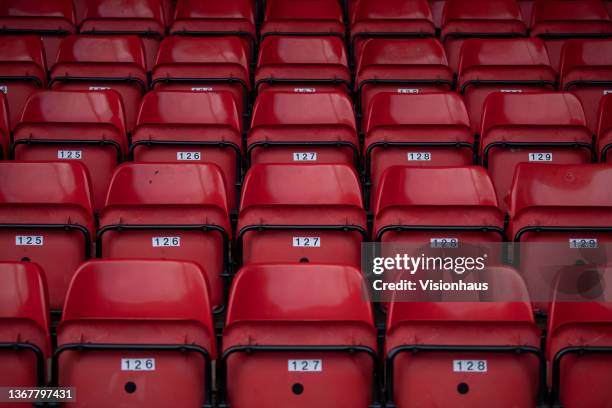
(444,242)
(304,90)
(305,365)
(99,88)
(70,154)
(29,240)
(407,91)
(419,156)
(304,156)
(4,89)
(188,156)
(470,366)
(201,89)
(307,242)
(583,243)
(540,157)
(166,241)
(606,92)
(137,364)
(511,90)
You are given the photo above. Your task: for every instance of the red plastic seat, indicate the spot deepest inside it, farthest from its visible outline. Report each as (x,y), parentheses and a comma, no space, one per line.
(416,130)
(24,320)
(46,217)
(304,61)
(478,19)
(95,62)
(138,332)
(283,17)
(604,129)
(22,71)
(213,18)
(203,65)
(409,66)
(52,20)
(395,18)
(533,127)
(176,126)
(301,213)
(431,347)
(74,125)
(168,211)
(306,326)
(5,128)
(586,71)
(144,18)
(292,127)
(562,216)
(502,65)
(439,209)
(556,21)
(579,341)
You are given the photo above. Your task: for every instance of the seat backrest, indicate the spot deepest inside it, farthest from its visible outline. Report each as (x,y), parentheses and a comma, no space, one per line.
(586,60)
(401,16)
(104,293)
(295,11)
(213,15)
(272,297)
(469,17)
(24,307)
(569,16)
(37,15)
(138,16)
(22,56)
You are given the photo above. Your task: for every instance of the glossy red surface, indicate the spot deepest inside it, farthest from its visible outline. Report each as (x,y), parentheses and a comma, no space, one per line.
(604,127)
(100,49)
(5,127)
(102,15)
(314,16)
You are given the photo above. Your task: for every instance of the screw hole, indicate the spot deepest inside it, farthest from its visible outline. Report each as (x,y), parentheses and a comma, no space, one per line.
(304,260)
(463,388)
(297,388)
(25,259)
(130,387)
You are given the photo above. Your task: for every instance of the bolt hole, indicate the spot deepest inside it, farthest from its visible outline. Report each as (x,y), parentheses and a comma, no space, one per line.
(297,388)
(463,388)
(25,259)
(130,387)
(304,260)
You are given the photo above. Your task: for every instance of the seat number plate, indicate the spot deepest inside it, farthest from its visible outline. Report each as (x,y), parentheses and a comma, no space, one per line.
(444,242)
(188,156)
(304,156)
(137,364)
(307,242)
(578,243)
(29,240)
(540,157)
(305,365)
(70,154)
(166,242)
(470,366)
(419,156)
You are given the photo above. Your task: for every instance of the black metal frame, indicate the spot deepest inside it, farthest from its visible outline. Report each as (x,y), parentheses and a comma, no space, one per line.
(140,82)
(526,82)
(23,78)
(40,358)
(100,142)
(42,32)
(556,367)
(182,348)
(440,228)
(505,145)
(296,81)
(284,143)
(568,36)
(587,83)
(123,32)
(467,35)
(65,227)
(351,349)
(604,152)
(414,349)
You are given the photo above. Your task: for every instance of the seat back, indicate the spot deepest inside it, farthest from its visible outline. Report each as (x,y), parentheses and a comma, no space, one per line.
(74,125)
(141,316)
(46,210)
(531,127)
(24,322)
(322,17)
(604,129)
(270,316)
(586,71)
(502,65)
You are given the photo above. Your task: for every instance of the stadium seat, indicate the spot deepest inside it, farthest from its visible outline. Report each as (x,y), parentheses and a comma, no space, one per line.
(287,17)
(417,130)
(579,344)
(292,127)
(52,20)
(586,71)
(95,62)
(176,126)
(5,128)
(556,21)
(24,320)
(502,65)
(405,66)
(476,353)
(478,19)
(168,211)
(306,62)
(136,333)
(308,327)
(533,127)
(214,18)
(604,129)
(204,65)
(301,213)
(46,217)
(74,125)
(22,71)
(392,18)
(439,210)
(562,216)
(144,18)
